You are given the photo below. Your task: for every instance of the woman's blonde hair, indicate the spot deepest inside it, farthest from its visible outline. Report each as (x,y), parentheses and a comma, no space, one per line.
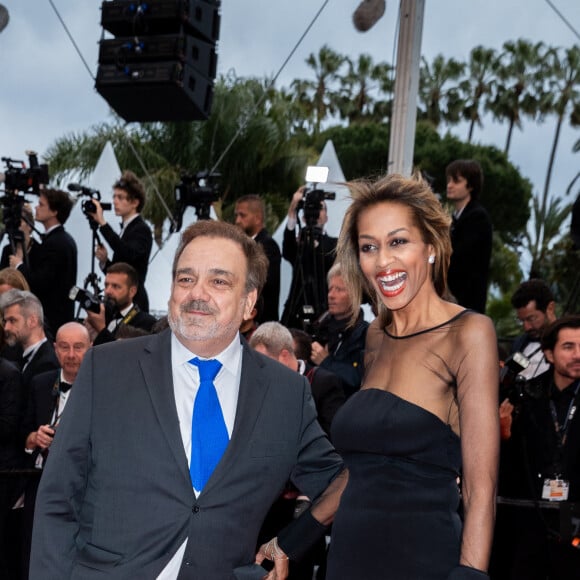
(428,216)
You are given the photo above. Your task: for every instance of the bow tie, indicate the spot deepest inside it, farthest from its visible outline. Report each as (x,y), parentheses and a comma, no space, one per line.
(63,386)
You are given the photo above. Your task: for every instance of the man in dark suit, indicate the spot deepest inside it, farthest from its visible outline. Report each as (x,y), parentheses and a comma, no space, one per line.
(249,215)
(51,270)
(24,325)
(121,284)
(48,398)
(133,245)
(471,235)
(311,255)
(129,491)
(10,451)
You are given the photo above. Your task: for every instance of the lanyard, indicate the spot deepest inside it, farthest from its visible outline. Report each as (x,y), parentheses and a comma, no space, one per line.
(562,430)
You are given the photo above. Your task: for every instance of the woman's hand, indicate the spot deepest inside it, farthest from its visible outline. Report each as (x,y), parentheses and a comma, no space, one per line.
(272,551)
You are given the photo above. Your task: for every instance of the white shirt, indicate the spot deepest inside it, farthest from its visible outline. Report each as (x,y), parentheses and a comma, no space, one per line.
(538,363)
(185,387)
(31,350)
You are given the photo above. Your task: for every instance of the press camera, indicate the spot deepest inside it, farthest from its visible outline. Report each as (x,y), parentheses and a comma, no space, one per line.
(314,196)
(198,191)
(88,205)
(18,177)
(86,299)
(512,384)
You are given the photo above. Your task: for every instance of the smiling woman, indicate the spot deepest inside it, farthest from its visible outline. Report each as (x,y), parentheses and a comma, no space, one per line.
(426,414)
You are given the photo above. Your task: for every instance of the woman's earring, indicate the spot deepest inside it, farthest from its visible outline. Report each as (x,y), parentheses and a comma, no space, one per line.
(431,259)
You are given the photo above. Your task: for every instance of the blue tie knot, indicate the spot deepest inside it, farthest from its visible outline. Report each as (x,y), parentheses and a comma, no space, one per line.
(208,369)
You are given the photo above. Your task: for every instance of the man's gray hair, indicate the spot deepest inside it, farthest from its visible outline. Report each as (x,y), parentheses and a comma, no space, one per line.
(335,270)
(29,304)
(274,337)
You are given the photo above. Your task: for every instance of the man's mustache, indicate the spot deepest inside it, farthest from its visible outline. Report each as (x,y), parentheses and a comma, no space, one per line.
(197,305)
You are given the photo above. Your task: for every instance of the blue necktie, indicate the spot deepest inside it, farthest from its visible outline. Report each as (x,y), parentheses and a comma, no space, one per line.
(209,436)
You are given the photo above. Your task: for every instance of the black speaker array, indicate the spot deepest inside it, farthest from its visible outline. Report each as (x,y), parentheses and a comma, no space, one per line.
(161,65)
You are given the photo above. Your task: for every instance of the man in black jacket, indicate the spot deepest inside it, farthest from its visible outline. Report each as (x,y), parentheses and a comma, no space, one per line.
(249,215)
(48,397)
(51,270)
(121,284)
(471,235)
(541,461)
(133,245)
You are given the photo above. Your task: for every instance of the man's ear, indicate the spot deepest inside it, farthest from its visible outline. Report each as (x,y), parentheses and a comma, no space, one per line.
(132,292)
(250,303)
(549,354)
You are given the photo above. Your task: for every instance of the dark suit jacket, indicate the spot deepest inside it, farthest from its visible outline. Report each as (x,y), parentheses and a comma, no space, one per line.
(327,392)
(271,291)
(43,360)
(41,402)
(116,499)
(142,320)
(134,248)
(51,273)
(10,393)
(310,264)
(471,238)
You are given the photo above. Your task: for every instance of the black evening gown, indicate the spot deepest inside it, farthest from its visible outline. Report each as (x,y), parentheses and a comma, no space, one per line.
(398,517)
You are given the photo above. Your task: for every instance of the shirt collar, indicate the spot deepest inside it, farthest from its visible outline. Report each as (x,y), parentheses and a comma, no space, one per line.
(229,357)
(32,349)
(129,220)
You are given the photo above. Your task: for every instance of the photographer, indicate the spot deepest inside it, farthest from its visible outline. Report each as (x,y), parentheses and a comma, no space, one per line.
(133,245)
(121,286)
(541,461)
(339,347)
(52,265)
(311,255)
(535,310)
(24,237)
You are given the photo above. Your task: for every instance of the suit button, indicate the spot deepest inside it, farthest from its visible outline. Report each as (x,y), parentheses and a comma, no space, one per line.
(195,509)
(187,563)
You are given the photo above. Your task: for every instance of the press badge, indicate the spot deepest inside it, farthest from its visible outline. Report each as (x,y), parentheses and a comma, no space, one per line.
(555,489)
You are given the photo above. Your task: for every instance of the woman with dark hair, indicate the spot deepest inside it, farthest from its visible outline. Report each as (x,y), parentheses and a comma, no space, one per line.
(421,437)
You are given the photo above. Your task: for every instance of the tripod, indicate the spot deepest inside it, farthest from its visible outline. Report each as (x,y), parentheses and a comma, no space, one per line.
(307,298)
(92,280)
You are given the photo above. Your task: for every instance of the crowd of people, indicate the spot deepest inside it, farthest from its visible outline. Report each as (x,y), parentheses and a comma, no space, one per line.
(226,441)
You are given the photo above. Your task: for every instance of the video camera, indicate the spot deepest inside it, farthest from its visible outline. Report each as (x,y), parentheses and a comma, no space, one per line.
(17,177)
(88,206)
(313,196)
(198,191)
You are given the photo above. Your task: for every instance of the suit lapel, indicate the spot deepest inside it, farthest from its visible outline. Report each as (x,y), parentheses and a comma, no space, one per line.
(253,389)
(156,365)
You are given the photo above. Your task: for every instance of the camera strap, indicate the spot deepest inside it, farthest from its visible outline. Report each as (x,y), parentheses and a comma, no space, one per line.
(562,430)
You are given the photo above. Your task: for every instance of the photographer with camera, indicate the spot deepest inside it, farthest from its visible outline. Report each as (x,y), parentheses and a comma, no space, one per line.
(311,255)
(535,310)
(23,237)
(133,245)
(337,346)
(541,449)
(119,308)
(52,265)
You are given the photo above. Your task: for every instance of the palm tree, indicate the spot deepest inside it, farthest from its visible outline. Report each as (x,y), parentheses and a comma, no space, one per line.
(439,91)
(359,85)
(477,87)
(520,89)
(565,89)
(326,67)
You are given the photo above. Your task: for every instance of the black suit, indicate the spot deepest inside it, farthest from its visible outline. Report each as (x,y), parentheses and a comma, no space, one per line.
(41,406)
(51,273)
(471,238)
(134,248)
(10,393)
(327,392)
(310,264)
(141,320)
(271,291)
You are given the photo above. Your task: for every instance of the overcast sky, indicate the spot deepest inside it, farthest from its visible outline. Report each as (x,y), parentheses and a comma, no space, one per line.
(46,91)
